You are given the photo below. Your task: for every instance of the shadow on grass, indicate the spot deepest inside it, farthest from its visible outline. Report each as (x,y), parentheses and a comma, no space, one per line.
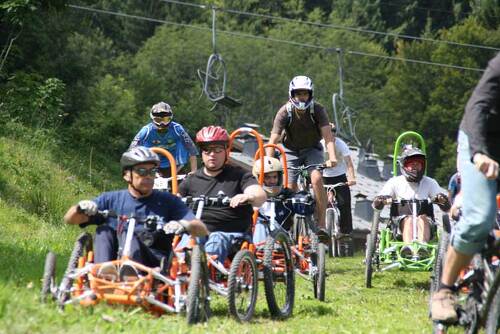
(418,285)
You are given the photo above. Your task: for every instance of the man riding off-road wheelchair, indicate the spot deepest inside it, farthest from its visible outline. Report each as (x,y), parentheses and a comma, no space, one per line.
(408,239)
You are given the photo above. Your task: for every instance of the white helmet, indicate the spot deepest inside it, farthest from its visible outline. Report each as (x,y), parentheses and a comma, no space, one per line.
(270,165)
(161,114)
(300,82)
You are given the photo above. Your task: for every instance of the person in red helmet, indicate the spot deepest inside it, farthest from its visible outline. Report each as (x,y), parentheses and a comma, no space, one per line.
(225,223)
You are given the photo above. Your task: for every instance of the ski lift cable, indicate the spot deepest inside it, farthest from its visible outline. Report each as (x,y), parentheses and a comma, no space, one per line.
(272,39)
(339,27)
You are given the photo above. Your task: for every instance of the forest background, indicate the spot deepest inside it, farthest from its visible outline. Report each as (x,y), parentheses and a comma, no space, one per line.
(85,79)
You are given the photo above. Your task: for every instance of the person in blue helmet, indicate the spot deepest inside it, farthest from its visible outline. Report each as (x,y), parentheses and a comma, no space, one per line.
(165,133)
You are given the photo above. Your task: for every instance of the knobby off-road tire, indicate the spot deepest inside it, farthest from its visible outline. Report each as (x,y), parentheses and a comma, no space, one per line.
(82,246)
(198,303)
(49,277)
(493,317)
(333,247)
(371,244)
(279,275)
(320,276)
(242,286)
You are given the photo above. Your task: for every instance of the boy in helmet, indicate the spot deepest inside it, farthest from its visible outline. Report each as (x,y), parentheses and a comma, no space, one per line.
(301,123)
(139,166)
(165,133)
(273,186)
(412,184)
(225,223)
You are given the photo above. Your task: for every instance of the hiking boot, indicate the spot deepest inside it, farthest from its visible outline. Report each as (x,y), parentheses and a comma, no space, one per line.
(323,236)
(443,305)
(108,272)
(128,273)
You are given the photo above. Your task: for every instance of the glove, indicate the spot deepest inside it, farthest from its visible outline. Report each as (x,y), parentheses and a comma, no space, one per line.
(443,202)
(379,202)
(87,207)
(174,227)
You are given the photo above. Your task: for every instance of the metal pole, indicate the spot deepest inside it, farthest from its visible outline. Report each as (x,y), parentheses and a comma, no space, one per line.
(213,29)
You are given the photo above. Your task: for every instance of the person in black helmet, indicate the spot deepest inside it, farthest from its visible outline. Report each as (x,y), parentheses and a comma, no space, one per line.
(139,166)
(412,184)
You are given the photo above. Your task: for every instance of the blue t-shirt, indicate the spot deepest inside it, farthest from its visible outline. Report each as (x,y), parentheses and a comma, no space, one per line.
(175,140)
(159,203)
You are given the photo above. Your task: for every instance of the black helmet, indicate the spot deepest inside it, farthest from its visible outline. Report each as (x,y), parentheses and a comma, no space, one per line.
(138,155)
(412,153)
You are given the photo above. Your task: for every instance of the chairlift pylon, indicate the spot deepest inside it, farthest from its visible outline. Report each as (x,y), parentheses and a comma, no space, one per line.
(214,78)
(343,115)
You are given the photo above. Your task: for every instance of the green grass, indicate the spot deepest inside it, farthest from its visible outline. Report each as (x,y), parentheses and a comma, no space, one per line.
(36,188)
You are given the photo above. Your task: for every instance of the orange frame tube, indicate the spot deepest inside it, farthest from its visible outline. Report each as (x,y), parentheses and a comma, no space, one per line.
(260,150)
(173,165)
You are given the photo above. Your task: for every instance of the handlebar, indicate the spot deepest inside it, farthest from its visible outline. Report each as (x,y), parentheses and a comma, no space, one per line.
(221,200)
(302,168)
(328,187)
(390,200)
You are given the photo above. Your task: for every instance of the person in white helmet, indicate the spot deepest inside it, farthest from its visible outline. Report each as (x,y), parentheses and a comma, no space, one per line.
(300,124)
(165,133)
(273,186)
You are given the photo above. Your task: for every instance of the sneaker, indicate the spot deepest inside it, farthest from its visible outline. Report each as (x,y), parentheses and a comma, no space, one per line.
(423,253)
(323,236)
(406,252)
(128,273)
(108,272)
(443,305)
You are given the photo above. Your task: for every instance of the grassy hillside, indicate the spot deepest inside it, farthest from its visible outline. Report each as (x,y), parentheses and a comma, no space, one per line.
(36,189)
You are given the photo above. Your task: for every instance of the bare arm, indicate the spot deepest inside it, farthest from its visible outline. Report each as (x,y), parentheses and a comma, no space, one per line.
(253,195)
(274,139)
(326,133)
(74,217)
(351,176)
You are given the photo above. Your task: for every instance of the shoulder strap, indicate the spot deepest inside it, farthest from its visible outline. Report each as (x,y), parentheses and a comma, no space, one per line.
(311,113)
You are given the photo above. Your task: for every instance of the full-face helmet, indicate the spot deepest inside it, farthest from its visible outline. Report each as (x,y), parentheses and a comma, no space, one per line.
(300,82)
(270,165)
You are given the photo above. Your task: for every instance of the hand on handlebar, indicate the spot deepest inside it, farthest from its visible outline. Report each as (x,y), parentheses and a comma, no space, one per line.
(87,207)
(240,199)
(331,163)
(380,201)
(174,227)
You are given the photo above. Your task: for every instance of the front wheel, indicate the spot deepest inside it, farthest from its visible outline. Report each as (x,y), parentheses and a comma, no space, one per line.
(493,316)
(333,249)
(198,303)
(83,245)
(319,277)
(242,286)
(49,277)
(371,243)
(279,276)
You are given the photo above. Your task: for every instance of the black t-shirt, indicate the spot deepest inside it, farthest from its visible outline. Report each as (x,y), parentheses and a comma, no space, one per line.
(232,181)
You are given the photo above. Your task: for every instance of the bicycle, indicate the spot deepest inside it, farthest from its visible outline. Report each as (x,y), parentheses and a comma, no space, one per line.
(478,286)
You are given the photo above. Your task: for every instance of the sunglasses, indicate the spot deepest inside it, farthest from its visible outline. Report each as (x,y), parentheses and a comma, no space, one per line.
(214,149)
(141,171)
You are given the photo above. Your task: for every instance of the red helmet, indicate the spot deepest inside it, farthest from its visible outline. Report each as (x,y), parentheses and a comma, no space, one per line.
(212,135)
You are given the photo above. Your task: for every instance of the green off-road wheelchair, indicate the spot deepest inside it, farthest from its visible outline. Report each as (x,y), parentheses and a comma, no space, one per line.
(385,248)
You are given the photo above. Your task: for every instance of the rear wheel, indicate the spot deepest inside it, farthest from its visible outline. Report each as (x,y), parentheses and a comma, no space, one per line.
(82,246)
(330,228)
(198,304)
(438,265)
(279,278)
(371,243)
(49,277)
(242,286)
